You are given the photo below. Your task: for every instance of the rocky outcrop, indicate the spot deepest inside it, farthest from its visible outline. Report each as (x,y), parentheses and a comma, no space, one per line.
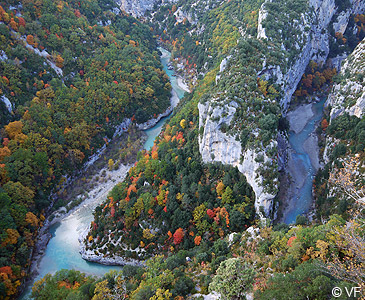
(137,8)
(152,122)
(7,103)
(214,145)
(222,67)
(349,94)
(108,259)
(261,34)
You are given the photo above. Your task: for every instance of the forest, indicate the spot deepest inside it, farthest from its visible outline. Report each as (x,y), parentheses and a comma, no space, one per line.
(73,71)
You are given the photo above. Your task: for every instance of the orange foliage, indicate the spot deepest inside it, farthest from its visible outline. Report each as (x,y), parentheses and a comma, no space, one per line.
(197,240)
(6,270)
(131,188)
(154,155)
(324,124)
(21,21)
(59,61)
(77,13)
(30,39)
(13,24)
(290,241)
(4,152)
(178,236)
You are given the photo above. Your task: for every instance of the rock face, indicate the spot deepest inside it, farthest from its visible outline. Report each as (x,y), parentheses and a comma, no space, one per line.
(137,8)
(313,33)
(7,103)
(109,260)
(214,145)
(349,95)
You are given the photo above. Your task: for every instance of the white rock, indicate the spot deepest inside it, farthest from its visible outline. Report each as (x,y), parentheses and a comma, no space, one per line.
(215,145)
(7,103)
(350,90)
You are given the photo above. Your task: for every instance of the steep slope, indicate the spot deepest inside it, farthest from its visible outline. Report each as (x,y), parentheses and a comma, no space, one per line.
(348,95)
(295,35)
(71,73)
(340,184)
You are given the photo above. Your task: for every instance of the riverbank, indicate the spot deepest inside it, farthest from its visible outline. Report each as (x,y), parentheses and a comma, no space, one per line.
(89,188)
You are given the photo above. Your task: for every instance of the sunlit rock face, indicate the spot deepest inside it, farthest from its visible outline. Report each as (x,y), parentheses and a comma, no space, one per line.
(215,145)
(137,8)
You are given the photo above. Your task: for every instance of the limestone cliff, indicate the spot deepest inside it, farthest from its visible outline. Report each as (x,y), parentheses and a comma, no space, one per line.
(311,42)
(348,95)
(214,145)
(137,8)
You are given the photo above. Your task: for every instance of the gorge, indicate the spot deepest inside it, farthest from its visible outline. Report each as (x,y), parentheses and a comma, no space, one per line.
(245,183)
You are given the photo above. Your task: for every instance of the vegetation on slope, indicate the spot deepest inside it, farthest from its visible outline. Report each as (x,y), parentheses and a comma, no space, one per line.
(301,262)
(73,71)
(170,200)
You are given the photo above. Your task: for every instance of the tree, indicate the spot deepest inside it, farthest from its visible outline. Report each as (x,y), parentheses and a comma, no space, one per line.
(227,197)
(220,188)
(31,219)
(350,241)
(19,193)
(348,179)
(59,61)
(30,39)
(178,236)
(161,294)
(13,129)
(233,279)
(197,240)
(110,164)
(183,123)
(324,124)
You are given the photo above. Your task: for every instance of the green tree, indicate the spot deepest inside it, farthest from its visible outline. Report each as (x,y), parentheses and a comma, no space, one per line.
(233,279)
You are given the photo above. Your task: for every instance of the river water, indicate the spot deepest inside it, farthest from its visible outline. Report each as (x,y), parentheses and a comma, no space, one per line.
(62,251)
(303,199)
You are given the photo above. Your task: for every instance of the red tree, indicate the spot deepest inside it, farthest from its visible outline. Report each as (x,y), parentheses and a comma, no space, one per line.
(178,236)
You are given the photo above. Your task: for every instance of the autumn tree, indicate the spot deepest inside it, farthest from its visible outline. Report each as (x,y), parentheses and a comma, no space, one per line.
(348,179)
(30,39)
(13,129)
(178,236)
(183,123)
(350,241)
(59,61)
(110,164)
(220,188)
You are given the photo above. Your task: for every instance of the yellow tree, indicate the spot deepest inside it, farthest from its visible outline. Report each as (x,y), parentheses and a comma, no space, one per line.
(14,128)
(220,188)
(161,294)
(350,241)
(349,179)
(110,164)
